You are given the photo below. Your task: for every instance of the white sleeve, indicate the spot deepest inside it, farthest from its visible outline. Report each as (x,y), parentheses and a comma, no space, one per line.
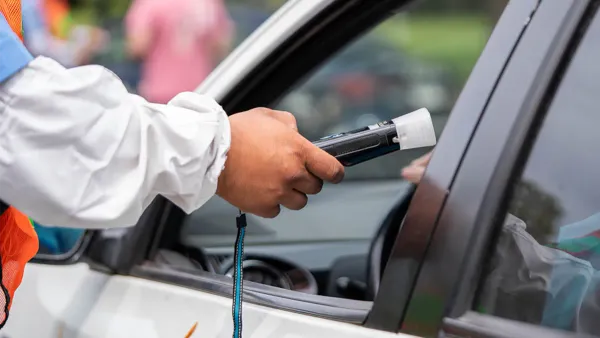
(77,150)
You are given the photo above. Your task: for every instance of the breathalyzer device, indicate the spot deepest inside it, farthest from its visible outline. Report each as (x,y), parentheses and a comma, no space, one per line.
(413,130)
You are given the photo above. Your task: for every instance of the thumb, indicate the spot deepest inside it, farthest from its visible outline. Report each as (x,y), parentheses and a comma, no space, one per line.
(323,165)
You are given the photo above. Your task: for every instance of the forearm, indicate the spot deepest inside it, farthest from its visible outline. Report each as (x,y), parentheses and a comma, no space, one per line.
(77,150)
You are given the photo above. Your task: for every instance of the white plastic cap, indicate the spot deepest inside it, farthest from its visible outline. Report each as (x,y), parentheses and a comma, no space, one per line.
(415,130)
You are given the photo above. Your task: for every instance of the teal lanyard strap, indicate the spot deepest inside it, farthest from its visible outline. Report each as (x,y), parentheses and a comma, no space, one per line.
(238,281)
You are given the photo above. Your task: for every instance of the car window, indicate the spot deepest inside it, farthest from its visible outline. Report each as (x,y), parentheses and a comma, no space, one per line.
(416,59)
(546,266)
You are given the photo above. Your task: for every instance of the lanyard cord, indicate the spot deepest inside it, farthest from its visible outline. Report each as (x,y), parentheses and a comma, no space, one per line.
(238,281)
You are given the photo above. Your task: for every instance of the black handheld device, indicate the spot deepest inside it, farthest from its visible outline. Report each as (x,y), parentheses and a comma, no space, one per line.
(413,130)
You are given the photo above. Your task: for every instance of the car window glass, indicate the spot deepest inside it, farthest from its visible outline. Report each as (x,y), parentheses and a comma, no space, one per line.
(546,266)
(415,59)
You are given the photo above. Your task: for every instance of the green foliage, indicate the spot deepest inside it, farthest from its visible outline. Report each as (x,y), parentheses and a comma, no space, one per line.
(455,41)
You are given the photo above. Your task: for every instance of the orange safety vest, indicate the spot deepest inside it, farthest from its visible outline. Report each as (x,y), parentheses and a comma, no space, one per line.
(18,240)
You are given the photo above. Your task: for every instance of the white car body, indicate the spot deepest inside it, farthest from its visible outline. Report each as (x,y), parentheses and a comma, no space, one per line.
(77,302)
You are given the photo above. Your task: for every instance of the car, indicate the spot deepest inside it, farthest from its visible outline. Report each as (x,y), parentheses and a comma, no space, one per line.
(497,240)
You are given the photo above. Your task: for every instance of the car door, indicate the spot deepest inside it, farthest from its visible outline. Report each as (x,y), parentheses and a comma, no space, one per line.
(507,256)
(147,282)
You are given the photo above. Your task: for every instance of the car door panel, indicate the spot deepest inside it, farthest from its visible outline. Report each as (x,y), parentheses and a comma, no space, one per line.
(54,301)
(133,307)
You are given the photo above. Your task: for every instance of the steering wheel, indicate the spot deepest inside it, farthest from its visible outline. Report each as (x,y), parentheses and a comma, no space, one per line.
(382,244)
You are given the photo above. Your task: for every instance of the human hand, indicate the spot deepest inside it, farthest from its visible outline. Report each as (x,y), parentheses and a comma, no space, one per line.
(415,170)
(270,164)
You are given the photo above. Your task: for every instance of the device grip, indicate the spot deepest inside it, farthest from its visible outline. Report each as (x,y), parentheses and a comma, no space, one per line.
(354,148)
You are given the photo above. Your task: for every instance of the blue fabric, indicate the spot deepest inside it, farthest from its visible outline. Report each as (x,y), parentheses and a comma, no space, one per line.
(579,229)
(13,55)
(574,277)
(56,241)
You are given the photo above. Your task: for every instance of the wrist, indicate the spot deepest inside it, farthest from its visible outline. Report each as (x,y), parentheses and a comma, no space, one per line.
(223,181)
(223,147)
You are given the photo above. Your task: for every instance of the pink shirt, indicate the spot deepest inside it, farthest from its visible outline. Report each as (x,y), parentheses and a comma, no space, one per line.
(184,33)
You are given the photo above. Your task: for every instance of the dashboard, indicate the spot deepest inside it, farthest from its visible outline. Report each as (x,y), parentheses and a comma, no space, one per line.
(304,267)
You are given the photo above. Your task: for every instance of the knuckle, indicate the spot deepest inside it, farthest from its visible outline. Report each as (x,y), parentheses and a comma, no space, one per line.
(289,116)
(263,110)
(294,175)
(278,196)
(293,170)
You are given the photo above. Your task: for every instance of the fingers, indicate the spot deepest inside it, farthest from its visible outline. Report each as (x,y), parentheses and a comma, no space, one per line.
(294,200)
(413,174)
(422,161)
(268,213)
(415,171)
(323,165)
(308,184)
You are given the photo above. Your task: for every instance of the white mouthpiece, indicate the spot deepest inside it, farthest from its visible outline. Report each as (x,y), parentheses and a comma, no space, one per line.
(415,130)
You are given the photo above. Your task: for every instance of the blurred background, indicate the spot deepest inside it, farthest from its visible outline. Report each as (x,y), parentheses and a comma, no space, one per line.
(418,58)
(445,36)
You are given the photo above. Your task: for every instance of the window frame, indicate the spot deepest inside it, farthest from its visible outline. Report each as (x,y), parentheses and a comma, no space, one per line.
(415,236)
(473,212)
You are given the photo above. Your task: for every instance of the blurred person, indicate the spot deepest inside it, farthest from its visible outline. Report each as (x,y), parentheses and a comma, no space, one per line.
(178,41)
(77,150)
(48,31)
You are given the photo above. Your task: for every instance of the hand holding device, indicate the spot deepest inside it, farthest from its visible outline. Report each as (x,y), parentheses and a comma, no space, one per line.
(270,164)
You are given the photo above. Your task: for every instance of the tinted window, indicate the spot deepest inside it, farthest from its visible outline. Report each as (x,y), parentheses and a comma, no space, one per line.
(546,268)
